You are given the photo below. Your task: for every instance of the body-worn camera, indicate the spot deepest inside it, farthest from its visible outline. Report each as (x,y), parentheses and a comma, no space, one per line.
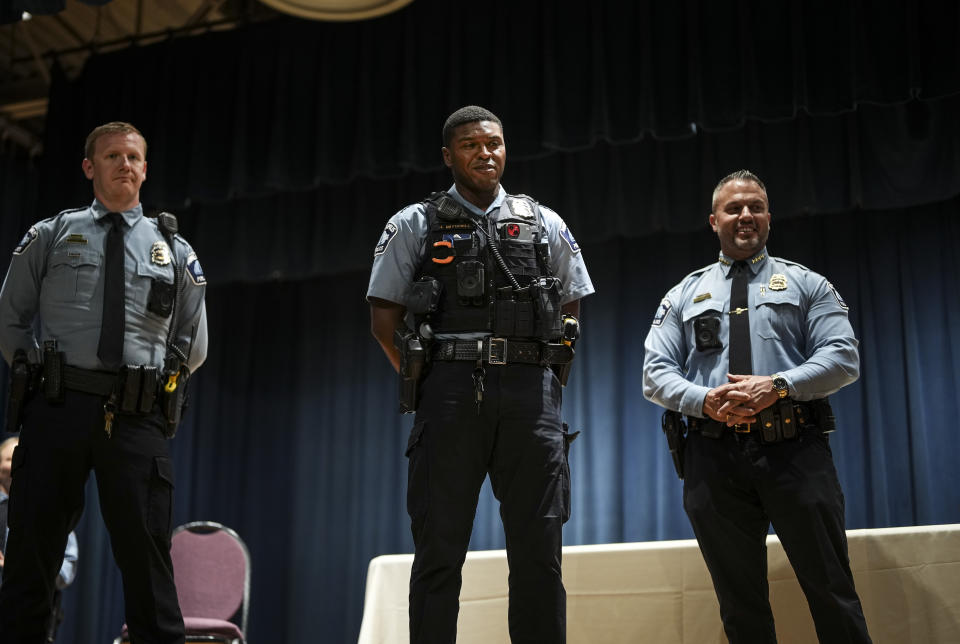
(706,330)
(470,280)
(160,299)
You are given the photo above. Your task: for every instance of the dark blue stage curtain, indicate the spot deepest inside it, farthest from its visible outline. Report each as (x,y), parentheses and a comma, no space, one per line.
(879,157)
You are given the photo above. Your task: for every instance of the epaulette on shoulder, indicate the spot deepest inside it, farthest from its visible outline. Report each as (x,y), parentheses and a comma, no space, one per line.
(700,271)
(433,196)
(68,211)
(788,262)
(523,196)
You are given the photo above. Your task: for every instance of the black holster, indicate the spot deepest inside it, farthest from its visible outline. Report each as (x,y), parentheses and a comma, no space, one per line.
(675,431)
(823,415)
(24,382)
(570,333)
(174,403)
(413,361)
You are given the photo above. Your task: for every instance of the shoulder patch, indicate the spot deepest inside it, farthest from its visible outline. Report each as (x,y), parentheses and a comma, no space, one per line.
(389,232)
(662,311)
(28,239)
(196,272)
(568,237)
(836,294)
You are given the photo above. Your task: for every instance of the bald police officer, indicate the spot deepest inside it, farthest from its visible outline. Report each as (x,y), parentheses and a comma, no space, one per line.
(487,278)
(111,303)
(749,348)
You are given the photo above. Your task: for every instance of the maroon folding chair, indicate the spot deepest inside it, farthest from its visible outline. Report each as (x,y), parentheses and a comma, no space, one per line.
(211,567)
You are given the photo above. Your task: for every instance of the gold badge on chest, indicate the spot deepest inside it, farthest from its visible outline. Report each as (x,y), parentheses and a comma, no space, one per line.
(778,282)
(160,253)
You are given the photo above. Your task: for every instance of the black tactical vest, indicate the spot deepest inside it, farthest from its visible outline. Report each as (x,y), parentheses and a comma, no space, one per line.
(467,284)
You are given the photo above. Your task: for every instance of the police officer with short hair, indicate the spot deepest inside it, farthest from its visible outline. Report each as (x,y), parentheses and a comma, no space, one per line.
(748,349)
(102,319)
(492,284)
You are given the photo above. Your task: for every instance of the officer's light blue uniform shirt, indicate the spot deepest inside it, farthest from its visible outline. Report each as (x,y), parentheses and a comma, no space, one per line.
(56,272)
(402,245)
(799,329)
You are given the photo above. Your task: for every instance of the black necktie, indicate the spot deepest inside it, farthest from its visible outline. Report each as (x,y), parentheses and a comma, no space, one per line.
(110,350)
(740,362)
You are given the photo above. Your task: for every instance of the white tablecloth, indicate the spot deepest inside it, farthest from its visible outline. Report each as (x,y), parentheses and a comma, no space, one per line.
(660,592)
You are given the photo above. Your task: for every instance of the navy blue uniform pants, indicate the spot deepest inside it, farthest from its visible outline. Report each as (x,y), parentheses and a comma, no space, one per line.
(734,487)
(59,445)
(519,440)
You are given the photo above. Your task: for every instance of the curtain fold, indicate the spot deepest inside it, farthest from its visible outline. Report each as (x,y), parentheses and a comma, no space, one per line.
(876,158)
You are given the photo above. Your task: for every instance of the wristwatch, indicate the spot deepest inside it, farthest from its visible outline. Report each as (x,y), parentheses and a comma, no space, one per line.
(780,385)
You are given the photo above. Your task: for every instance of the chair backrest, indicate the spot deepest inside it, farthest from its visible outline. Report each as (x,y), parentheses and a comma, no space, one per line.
(211,567)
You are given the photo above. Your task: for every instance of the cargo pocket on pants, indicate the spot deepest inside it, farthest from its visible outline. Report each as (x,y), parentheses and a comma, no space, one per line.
(160,499)
(568,438)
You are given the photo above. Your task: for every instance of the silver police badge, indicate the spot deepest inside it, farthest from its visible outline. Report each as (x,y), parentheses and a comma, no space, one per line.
(160,253)
(778,282)
(521,208)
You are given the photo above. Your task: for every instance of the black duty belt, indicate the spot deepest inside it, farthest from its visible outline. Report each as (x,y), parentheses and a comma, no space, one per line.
(781,421)
(89,381)
(502,351)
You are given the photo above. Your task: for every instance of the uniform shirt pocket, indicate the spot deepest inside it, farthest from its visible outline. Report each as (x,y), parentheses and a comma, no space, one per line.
(779,318)
(706,309)
(713,307)
(72,274)
(147,272)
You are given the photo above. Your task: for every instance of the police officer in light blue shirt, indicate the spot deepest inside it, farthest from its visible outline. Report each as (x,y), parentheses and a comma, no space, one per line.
(756,451)
(487,277)
(108,305)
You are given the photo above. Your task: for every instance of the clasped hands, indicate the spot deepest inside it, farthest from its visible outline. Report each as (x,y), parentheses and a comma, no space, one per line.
(739,401)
